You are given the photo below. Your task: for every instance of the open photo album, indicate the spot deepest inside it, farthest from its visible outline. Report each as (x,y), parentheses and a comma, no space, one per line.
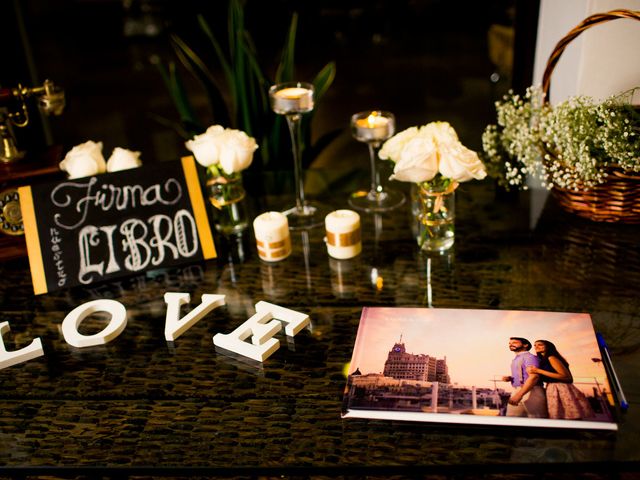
(485,367)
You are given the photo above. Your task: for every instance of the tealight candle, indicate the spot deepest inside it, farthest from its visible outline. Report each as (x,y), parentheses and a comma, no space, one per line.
(272,236)
(343,234)
(292,100)
(374,127)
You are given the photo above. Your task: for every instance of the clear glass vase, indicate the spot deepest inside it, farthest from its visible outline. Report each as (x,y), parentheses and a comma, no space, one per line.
(435,213)
(227,195)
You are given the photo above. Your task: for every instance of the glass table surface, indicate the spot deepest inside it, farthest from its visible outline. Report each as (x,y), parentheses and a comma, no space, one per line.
(142,405)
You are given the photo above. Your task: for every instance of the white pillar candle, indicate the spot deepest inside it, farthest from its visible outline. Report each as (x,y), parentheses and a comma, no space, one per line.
(373,127)
(292,100)
(272,236)
(343,234)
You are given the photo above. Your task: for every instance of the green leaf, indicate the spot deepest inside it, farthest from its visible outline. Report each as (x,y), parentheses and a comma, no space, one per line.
(179,96)
(183,104)
(196,66)
(324,79)
(238,50)
(261,82)
(321,84)
(284,72)
(226,67)
(190,59)
(178,127)
(234,24)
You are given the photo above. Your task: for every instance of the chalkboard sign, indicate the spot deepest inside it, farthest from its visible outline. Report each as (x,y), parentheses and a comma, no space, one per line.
(112,225)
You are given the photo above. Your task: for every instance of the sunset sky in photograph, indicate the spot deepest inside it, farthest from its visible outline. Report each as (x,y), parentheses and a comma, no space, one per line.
(475,342)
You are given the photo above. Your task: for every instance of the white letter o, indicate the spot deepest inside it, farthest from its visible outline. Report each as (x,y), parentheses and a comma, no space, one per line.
(73,320)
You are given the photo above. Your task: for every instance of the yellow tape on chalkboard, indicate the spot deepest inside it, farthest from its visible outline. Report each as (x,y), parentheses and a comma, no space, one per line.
(199,209)
(33,241)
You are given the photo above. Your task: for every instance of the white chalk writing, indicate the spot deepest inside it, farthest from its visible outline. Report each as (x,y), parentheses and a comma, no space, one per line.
(57,256)
(167,237)
(81,196)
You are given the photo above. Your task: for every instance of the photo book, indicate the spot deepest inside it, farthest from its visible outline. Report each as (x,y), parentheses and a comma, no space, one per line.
(483,367)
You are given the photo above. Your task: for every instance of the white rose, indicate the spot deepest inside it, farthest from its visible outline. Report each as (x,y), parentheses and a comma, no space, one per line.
(392,148)
(236,150)
(206,147)
(442,132)
(418,161)
(123,159)
(460,164)
(84,160)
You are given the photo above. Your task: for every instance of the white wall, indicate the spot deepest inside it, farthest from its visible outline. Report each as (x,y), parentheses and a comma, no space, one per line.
(601,61)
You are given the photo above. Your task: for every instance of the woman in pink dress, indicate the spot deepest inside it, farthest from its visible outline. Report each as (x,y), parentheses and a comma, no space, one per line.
(564,400)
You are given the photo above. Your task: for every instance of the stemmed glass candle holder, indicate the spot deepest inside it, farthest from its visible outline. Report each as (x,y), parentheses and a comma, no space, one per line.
(292,99)
(373,128)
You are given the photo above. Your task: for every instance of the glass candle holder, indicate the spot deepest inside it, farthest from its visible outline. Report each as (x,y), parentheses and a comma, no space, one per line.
(373,128)
(293,99)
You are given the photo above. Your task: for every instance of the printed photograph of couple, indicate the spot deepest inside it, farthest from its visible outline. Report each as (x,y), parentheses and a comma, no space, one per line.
(478,366)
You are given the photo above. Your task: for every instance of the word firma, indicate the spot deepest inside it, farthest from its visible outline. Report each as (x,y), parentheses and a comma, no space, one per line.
(253,339)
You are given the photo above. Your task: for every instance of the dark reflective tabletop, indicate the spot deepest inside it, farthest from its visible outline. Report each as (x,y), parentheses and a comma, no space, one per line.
(141,405)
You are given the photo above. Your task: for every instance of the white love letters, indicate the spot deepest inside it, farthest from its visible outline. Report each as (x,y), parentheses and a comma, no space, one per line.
(253,339)
(261,330)
(175,326)
(34,350)
(116,325)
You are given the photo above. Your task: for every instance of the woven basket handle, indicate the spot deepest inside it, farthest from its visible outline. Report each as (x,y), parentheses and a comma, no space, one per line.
(577,30)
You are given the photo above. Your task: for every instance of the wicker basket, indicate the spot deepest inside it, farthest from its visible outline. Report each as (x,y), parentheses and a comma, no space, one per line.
(618,199)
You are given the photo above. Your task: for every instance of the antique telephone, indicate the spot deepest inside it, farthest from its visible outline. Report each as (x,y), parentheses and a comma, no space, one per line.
(13,111)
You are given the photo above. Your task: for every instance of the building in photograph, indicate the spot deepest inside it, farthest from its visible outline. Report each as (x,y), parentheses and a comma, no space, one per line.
(408,366)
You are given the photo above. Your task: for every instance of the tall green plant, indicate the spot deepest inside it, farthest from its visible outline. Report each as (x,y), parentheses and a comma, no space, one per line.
(241,100)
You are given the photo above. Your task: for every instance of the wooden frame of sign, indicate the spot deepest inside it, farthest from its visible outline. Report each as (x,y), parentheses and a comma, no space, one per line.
(112,225)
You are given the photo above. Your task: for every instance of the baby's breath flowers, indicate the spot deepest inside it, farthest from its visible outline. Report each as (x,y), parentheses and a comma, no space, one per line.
(570,145)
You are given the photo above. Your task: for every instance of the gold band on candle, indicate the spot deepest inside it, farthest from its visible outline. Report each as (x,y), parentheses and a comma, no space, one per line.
(343,239)
(272,245)
(282,250)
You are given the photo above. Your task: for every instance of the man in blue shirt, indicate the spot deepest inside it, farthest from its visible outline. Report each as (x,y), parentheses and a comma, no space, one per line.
(528,398)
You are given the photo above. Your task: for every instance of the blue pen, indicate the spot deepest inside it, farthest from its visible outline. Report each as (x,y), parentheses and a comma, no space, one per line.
(614,378)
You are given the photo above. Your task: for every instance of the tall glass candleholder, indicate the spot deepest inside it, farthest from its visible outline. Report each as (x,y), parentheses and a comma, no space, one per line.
(292,99)
(373,128)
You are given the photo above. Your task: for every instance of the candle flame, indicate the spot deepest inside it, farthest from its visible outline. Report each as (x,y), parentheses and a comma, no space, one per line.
(371,119)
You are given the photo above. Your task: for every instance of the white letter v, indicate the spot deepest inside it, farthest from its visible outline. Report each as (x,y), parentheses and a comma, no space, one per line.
(174,325)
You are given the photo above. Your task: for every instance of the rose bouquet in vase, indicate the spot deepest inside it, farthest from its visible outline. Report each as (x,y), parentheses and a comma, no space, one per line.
(225,152)
(435,161)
